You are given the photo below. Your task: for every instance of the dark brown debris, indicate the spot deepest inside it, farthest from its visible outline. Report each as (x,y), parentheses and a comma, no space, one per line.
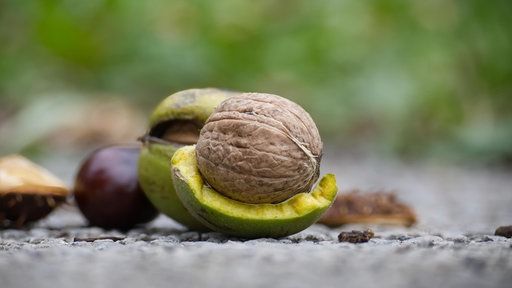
(359,207)
(92,239)
(355,236)
(505,231)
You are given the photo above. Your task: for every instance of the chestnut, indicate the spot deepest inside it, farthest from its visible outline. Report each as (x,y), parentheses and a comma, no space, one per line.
(107,189)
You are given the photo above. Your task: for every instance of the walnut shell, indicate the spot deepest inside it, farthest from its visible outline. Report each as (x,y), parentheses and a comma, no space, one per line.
(259,148)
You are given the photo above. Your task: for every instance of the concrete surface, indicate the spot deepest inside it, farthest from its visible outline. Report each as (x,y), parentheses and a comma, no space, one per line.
(453,244)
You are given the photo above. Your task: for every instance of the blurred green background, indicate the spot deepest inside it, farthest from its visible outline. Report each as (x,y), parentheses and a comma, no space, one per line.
(429,79)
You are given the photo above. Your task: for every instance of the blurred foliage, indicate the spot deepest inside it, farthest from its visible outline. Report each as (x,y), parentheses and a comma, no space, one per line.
(411,78)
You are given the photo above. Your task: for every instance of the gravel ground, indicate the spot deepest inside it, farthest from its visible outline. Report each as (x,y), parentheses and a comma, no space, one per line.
(453,244)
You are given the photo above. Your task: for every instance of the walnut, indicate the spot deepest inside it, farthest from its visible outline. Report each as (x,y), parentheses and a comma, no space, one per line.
(259,148)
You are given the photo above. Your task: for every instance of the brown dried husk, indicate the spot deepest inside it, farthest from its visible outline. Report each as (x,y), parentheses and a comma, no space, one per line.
(259,148)
(28,192)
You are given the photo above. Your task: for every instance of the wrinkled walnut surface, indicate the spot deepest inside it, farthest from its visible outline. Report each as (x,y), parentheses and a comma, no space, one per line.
(259,148)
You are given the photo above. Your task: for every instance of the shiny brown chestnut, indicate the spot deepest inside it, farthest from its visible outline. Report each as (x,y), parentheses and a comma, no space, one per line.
(107,189)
